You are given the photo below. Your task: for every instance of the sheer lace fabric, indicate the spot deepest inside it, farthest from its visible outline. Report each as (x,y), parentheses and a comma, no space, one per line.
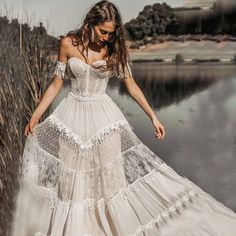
(60,69)
(85,172)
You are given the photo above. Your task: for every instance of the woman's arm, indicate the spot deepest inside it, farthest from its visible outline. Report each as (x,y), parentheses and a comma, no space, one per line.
(51,92)
(139,97)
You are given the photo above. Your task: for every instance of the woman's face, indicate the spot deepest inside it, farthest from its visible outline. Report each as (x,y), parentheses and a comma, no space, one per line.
(103,32)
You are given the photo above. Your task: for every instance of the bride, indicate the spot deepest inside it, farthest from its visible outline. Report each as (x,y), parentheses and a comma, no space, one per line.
(84,172)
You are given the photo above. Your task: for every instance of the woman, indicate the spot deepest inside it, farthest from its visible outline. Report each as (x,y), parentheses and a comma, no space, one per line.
(84,170)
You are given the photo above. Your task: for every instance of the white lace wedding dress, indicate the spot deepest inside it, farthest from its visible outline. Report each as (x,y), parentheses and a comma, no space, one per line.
(84,172)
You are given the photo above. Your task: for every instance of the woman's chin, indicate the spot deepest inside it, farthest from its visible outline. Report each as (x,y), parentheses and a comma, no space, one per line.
(101,43)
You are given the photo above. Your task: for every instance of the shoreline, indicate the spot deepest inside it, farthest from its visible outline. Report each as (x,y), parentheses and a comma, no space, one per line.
(185,62)
(189,52)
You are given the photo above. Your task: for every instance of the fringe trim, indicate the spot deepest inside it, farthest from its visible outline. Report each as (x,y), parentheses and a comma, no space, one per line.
(179,205)
(60,69)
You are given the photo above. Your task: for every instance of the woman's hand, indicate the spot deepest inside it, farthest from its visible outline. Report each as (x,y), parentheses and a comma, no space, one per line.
(159,129)
(31,124)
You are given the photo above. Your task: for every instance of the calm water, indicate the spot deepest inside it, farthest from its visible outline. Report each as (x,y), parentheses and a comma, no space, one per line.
(197,106)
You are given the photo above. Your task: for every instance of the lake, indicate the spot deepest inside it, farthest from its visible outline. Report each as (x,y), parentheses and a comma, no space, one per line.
(197,106)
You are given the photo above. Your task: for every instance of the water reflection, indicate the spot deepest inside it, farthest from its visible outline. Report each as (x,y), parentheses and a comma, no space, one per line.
(165,85)
(197,106)
(162,92)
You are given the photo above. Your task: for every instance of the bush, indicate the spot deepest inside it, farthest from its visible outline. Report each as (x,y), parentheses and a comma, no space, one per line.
(134,46)
(179,58)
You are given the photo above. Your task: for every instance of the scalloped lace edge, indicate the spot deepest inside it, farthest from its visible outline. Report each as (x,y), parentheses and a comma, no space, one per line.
(97,138)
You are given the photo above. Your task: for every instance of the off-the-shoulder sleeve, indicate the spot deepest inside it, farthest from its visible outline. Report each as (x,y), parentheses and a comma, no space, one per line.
(121,75)
(60,69)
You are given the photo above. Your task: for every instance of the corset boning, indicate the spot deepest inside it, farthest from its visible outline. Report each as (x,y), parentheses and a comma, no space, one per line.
(86,83)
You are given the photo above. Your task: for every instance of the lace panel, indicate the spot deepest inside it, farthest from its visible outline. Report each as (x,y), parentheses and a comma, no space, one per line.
(115,159)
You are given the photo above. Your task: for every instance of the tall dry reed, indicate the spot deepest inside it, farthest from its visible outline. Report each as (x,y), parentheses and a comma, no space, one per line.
(24,77)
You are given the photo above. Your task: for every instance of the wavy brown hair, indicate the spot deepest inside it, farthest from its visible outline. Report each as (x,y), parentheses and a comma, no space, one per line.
(117,57)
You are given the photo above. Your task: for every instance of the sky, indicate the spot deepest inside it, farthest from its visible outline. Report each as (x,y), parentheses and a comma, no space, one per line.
(60,16)
(203,3)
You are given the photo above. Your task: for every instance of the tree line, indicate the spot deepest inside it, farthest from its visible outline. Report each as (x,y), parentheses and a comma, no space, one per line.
(159,19)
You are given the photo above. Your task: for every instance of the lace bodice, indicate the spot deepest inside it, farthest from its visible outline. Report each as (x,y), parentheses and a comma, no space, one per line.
(85,80)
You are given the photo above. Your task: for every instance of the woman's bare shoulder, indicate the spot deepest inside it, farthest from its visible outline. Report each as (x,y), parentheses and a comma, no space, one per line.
(65,48)
(66,41)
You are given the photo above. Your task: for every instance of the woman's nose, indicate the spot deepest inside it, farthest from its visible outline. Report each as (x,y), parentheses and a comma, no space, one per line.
(105,37)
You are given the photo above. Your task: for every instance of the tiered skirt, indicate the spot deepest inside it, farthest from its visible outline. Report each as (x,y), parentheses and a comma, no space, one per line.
(84,172)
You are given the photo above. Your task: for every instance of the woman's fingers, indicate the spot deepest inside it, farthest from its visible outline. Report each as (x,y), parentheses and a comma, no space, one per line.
(163,132)
(160,132)
(157,134)
(26,130)
(31,128)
